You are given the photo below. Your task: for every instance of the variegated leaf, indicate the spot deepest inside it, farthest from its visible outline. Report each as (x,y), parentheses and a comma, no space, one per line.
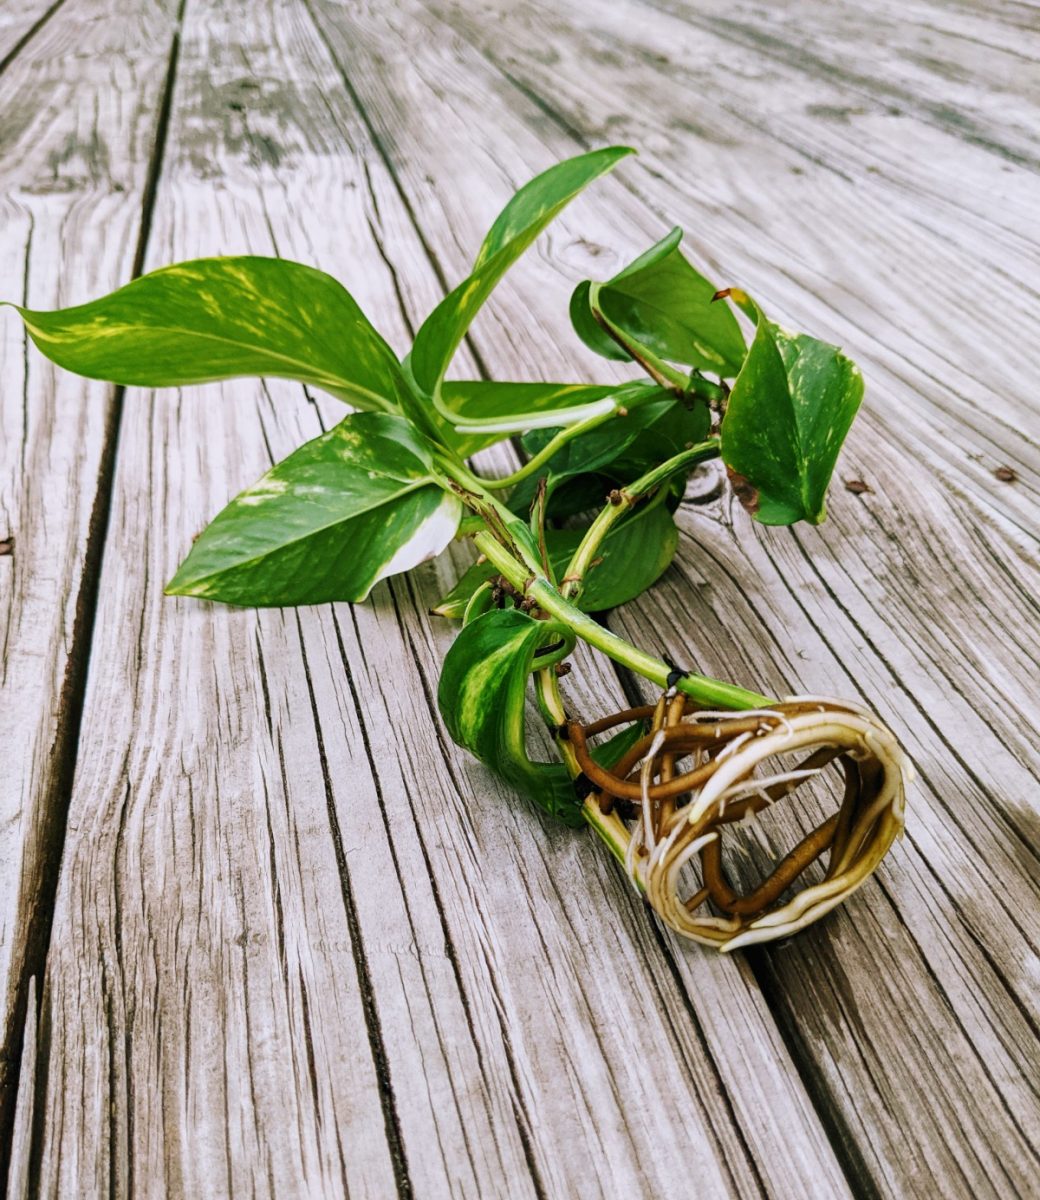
(216,318)
(791,407)
(519,223)
(347,509)
(483,701)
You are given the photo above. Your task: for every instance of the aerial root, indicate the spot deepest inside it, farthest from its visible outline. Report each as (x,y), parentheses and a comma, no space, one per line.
(677,817)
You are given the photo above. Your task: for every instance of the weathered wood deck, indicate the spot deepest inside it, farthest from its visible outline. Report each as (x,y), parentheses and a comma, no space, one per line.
(262,929)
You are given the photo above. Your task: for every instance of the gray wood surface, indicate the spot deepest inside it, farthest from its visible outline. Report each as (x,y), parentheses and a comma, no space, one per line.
(80,102)
(292,943)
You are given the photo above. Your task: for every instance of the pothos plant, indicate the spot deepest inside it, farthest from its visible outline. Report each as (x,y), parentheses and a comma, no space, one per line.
(391,486)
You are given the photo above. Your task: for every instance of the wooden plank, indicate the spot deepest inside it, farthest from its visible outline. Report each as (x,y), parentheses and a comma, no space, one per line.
(899,603)
(74,152)
(880,171)
(271,847)
(20,21)
(18,1174)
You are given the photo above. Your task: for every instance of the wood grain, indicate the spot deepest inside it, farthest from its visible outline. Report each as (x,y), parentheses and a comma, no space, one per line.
(373,881)
(74,163)
(301,945)
(897,608)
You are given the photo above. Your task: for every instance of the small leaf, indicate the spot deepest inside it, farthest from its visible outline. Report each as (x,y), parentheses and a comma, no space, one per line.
(482,698)
(216,318)
(791,407)
(634,554)
(519,223)
(663,303)
(345,510)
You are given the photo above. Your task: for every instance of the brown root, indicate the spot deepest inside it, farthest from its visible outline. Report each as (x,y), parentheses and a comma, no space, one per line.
(695,775)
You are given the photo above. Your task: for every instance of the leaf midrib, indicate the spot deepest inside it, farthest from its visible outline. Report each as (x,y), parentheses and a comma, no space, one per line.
(314,376)
(250,562)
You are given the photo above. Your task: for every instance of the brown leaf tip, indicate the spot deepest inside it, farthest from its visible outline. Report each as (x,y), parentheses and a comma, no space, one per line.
(744,490)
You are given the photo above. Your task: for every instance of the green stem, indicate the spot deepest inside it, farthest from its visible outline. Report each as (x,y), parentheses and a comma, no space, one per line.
(553,446)
(704,690)
(622,501)
(626,400)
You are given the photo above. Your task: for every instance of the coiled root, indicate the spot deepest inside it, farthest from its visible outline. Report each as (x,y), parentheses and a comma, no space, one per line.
(678,817)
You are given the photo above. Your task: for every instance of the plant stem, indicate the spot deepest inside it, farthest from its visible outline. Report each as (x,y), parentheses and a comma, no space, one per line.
(711,692)
(525,573)
(624,401)
(622,501)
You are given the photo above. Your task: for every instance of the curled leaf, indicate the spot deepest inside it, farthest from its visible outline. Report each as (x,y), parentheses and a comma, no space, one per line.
(483,701)
(664,304)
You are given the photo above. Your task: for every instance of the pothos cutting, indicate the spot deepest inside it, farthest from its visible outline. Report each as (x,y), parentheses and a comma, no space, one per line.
(392,485)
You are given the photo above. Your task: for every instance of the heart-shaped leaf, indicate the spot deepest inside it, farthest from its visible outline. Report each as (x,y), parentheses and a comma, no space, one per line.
(633,555)
(347,509)
(216,318)
(792,405)
(519,223)
(661,302)
(483,701)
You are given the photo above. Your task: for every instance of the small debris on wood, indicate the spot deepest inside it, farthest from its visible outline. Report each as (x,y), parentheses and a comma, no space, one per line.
(857,486)
(6,546)
(1006,474)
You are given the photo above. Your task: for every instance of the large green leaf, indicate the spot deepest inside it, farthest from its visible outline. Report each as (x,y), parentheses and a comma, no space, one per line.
(792,405)
(344,511)
(216,318)
(633,556)
(663,303)
(519,223)
(482,698)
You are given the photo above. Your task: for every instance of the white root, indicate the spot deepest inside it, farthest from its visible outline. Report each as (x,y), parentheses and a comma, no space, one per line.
(660,851)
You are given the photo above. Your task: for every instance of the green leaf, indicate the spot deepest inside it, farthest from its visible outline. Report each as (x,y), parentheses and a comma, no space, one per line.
(482,698)
(633,556)
(216,318)
(519,223)
(347,509)
(663,303)
(792,405)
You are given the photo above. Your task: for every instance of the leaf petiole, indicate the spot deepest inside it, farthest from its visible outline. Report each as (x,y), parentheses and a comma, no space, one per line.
(621,404)
(662,373)
(622,501)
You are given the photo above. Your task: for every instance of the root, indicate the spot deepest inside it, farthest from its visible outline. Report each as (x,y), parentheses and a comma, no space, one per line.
(677,817)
